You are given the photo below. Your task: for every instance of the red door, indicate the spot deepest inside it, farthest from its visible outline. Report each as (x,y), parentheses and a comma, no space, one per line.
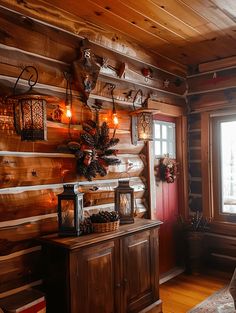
(167,212)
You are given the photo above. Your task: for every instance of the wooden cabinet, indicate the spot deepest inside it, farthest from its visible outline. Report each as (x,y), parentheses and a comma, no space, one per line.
(94,288)
(115,272)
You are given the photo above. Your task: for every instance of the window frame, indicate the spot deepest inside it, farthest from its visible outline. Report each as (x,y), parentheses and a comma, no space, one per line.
(216,172)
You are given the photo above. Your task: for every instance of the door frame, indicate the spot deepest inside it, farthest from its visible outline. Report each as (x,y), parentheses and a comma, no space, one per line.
(181,157)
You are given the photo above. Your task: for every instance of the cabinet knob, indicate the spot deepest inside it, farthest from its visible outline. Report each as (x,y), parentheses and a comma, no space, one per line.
(125,281)
(118,285)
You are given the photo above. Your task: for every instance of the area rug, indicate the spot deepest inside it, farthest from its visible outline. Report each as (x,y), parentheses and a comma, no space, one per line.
(219,302)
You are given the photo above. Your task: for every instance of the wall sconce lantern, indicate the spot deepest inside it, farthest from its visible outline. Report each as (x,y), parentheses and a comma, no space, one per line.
(30,115)
(142,121)
(124,201)
(70,211)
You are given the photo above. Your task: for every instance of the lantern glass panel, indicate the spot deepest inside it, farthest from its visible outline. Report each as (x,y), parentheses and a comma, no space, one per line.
(33,119)
(125,203)
(70,211)
(67,213)
(145,126)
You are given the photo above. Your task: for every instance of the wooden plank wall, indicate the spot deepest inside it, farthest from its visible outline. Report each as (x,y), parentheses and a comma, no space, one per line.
(209,92)
(33,173)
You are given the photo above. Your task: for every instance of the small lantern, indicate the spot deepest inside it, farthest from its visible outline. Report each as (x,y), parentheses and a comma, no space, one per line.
(124,202)
(142,122)
(70,211)
(30,116)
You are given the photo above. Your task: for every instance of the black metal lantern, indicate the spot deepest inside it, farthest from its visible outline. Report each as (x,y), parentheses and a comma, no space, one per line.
(144,126)
(70,211)
(124,201)
(30,115)
(142,121)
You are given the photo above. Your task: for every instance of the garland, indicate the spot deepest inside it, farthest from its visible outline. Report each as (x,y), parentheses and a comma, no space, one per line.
(168,169)
(93,150)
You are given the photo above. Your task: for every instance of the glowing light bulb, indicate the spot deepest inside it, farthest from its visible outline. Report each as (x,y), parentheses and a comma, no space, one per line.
(68,112)
(115,119)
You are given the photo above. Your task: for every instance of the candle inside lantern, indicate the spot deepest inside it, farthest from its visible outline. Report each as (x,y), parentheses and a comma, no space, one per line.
(67,207)
(125,203)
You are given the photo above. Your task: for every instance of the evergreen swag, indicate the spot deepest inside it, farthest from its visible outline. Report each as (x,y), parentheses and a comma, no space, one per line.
(93,150)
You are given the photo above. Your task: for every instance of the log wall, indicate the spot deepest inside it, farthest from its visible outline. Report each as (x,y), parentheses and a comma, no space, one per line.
(33,173)
(209,93)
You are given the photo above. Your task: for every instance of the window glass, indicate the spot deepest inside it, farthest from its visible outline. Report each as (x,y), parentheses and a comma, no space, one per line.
(164,131)
(157,147)
(164,147)
(157,130)
(164,139)
(228,166)
(223,167)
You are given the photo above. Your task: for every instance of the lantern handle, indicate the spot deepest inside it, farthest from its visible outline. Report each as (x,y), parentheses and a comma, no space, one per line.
(143,103)
(125,174)
(30,82)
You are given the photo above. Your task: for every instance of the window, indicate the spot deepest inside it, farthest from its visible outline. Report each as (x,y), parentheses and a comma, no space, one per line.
(164,138)
(224,167)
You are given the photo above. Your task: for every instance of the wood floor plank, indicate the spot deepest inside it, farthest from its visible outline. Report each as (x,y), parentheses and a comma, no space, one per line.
(185,291)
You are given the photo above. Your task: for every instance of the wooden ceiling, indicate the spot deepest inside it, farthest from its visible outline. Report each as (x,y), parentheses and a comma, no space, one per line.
(189,32)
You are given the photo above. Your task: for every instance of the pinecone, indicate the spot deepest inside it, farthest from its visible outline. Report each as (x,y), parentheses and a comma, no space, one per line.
(87,139)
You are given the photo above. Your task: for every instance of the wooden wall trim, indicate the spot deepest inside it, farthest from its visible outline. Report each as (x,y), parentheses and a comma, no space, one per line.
(18,189)
(223,256)
(211,90)
(166,109)
(38,56)
(205,164)
(31,219)
(181,156)
(218,64)
(19,253)
(140,84)
(36,154)
(60,91)
(24,287)
(221,236)
(210,72)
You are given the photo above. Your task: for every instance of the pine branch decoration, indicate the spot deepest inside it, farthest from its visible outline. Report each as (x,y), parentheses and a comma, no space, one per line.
(93,150)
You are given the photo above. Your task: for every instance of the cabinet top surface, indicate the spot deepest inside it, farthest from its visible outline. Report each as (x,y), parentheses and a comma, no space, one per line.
(85,240)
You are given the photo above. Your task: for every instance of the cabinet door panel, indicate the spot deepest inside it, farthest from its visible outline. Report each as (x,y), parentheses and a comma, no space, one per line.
(140,270)
(95,283)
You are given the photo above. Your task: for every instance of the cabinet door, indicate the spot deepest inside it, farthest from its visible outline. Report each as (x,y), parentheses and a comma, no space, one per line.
(140,270)
(93,279)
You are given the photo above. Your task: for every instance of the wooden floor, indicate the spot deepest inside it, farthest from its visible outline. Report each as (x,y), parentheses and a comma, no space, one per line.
(185,291)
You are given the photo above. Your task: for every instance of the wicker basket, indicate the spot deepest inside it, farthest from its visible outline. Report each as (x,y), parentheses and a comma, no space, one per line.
(104,227)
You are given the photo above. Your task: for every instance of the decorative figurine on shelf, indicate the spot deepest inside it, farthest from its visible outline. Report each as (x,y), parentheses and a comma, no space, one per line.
(86,70)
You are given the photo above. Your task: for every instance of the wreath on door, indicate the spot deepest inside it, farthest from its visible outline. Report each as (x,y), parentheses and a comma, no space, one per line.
(168,169)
